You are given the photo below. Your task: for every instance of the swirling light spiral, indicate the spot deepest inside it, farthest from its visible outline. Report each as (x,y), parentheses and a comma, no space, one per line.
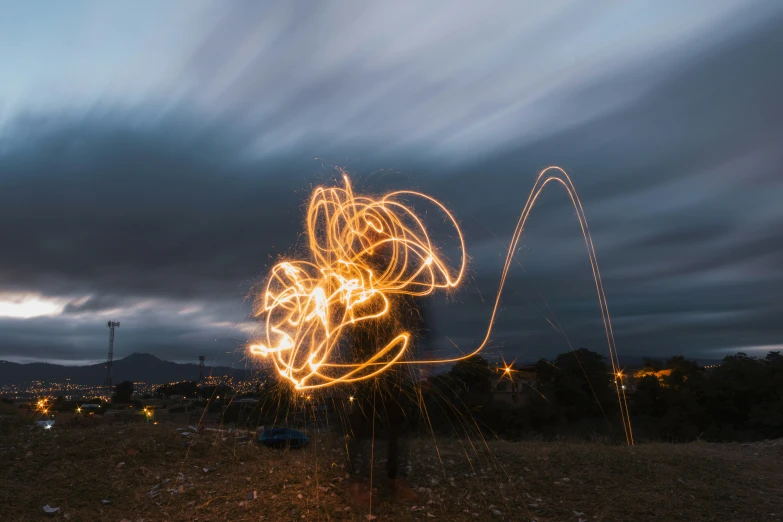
(309,304)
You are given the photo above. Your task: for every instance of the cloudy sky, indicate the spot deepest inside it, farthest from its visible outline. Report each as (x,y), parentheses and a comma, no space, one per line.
(155,160)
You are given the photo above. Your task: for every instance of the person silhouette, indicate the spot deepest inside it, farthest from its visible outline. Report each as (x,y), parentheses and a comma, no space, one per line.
(385,404)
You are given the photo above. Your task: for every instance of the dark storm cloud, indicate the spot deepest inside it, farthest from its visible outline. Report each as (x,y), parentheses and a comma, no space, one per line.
(681,189)
(100,303)
(96,205)
(165,217)
(157,331)
(143,223)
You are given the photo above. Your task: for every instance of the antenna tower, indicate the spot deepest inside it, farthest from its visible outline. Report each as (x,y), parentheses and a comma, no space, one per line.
(107,383)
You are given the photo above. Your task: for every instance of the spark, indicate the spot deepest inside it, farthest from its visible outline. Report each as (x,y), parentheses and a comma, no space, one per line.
(310,305)
(507,371)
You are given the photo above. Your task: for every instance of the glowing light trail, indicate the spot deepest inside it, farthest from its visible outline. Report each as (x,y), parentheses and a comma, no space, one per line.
(310,305)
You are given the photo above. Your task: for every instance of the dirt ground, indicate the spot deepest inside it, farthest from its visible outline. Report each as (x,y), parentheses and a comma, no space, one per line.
(154,473)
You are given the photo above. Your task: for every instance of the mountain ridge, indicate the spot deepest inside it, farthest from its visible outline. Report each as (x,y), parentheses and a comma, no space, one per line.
(137,367)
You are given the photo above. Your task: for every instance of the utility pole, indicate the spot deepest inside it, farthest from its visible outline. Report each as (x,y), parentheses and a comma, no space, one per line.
(201,377)
(107,382)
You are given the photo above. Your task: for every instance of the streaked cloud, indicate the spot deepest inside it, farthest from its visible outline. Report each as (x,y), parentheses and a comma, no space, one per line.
(151,170)
(27,305)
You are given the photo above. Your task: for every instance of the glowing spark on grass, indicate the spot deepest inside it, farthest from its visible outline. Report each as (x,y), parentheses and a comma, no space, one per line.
(309,305)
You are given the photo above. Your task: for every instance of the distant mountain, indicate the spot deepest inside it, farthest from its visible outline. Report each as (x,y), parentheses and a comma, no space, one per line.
(145,367)
(138,367)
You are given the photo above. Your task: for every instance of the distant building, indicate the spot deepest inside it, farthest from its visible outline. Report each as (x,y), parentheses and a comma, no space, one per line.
(153,403)
(634,376)
(660,374)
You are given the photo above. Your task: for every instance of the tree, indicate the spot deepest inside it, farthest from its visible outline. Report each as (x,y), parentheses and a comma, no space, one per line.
(774,359)
(681,370)
(123,392)
(649,400)
(738,385)
(652,365)
(579,383)
(474,376)
(767,415)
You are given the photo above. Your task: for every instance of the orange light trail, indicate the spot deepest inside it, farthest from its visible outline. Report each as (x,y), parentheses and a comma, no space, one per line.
(308,305)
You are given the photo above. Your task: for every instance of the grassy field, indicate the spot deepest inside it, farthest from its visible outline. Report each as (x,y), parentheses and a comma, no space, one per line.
(143,472)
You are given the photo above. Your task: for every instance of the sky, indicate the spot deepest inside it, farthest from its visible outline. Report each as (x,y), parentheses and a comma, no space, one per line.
(156,160)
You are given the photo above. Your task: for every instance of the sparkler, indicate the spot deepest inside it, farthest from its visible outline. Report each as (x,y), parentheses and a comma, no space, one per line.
(310,306)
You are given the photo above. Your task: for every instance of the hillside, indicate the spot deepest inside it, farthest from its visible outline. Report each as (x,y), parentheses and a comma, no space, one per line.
(134,472)
(136,367)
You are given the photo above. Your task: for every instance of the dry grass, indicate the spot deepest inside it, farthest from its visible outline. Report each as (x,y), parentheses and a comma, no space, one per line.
(76,469)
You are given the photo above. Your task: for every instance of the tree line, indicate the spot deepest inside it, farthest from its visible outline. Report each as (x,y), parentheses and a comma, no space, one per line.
(575,394)
(572,395)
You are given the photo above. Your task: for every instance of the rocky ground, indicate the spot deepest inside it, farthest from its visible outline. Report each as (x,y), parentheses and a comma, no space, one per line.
(154,473)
